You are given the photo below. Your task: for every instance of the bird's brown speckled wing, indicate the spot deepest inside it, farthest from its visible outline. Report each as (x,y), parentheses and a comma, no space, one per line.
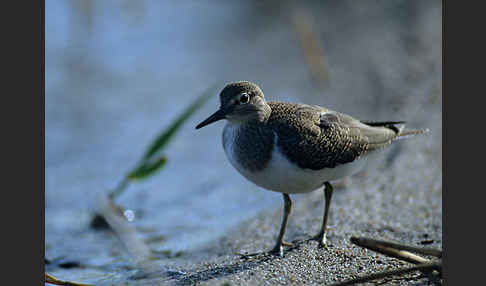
(314,137)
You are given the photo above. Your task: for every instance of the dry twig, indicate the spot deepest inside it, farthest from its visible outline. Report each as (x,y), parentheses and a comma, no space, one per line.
(427,267)
(402,252)
(396,250)
(310,46)
(53,280)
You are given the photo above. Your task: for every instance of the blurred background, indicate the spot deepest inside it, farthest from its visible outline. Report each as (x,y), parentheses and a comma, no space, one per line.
(119,72)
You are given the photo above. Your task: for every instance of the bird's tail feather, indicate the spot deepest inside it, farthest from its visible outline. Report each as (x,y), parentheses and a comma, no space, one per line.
(411,132)
(398,127)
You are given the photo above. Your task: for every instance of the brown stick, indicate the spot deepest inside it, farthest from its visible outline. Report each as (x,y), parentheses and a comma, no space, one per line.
(427,267)
(53,280)
(310,45)
(378,246)
(361,241)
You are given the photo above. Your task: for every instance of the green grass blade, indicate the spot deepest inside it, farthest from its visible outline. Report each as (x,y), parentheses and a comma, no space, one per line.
(147,168)
(167,134)
(148,165)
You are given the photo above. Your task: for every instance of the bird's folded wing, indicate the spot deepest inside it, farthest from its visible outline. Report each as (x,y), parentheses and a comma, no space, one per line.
(375,135)
(315,137)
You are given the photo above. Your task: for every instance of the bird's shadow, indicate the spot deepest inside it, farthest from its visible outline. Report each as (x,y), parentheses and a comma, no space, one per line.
(188,277)
(246,262)
(221,271)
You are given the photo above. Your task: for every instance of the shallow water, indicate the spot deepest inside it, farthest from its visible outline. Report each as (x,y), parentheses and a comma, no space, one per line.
(98,125)
(118,72)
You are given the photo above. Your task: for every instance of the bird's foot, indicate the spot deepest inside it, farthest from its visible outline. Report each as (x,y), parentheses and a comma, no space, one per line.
(274,251)
(322,239)
(278,250)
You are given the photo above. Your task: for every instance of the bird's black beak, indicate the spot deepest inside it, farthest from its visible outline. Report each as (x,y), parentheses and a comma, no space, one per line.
(218,115)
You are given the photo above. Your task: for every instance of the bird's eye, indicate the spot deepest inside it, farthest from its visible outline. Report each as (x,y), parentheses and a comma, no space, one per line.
(244,98)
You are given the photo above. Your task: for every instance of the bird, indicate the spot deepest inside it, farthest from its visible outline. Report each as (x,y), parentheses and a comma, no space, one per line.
(294,148)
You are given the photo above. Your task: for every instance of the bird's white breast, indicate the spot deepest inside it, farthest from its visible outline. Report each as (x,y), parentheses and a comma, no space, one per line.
(281,175)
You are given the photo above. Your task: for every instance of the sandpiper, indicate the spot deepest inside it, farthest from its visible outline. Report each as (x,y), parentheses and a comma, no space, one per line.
(296,148)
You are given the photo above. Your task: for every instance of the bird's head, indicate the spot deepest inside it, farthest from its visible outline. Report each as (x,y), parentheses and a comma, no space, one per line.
(241,102)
